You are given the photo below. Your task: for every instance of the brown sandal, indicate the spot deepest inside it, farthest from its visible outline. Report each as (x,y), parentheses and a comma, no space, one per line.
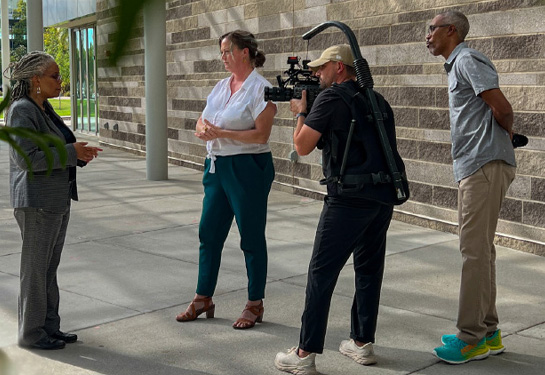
(257,310)
(208,308)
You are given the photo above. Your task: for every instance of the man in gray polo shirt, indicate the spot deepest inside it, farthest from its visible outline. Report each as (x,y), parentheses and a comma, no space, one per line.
(481,123)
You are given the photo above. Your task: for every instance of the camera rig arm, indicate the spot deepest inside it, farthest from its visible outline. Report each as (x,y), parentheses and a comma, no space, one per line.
(363,73)
(365,82)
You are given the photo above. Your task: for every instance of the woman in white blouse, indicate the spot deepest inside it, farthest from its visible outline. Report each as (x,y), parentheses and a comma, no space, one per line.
(236,124)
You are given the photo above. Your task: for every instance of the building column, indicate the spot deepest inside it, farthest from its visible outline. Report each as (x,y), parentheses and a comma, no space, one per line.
(156,92)
(34,25)
(5,43)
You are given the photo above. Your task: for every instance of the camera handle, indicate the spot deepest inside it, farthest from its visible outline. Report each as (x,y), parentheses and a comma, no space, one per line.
(363,73)
(365,82)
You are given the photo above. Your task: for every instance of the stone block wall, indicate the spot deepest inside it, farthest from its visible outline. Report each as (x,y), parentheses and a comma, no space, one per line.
(391,35)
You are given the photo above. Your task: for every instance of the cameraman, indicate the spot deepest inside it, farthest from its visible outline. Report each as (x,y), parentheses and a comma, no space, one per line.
(349,223)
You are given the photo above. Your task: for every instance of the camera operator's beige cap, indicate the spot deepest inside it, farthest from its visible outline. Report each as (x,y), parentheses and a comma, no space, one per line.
(340,52)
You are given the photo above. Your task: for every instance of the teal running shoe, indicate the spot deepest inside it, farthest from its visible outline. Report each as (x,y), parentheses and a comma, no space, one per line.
(457,351)
(445,339)
(493,342)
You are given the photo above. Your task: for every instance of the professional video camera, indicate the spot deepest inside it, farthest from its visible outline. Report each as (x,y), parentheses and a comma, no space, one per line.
(298,80)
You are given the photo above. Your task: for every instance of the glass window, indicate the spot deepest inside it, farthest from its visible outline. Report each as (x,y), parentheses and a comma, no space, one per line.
(85,86)
(76,86)
(84,81)
(91,80)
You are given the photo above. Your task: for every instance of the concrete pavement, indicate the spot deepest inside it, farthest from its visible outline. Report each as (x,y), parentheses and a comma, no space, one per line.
(130,265)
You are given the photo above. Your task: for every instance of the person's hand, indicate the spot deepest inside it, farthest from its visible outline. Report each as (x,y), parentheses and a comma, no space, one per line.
(299,105)
(86,153)
(209,131)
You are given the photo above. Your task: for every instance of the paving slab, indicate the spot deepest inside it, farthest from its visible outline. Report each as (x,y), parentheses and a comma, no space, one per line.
(10,236)
(131,261)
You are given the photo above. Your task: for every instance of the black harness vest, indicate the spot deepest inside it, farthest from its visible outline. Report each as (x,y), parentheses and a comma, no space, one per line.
(364,172)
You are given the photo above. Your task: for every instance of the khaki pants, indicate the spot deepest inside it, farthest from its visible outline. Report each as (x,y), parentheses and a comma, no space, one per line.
(479,201)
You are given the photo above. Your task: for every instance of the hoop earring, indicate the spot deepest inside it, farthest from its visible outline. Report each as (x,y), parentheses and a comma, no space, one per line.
(38,90)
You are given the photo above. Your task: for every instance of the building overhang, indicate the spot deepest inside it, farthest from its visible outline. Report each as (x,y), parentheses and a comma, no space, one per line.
(75,23)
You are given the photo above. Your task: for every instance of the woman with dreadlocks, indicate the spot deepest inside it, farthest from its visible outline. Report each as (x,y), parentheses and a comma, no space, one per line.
(41,202)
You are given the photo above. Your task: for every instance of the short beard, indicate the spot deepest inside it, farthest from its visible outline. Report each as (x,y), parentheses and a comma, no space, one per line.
(324,85)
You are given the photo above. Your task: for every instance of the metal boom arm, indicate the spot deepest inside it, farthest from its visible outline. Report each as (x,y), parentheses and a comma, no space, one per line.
(365,82)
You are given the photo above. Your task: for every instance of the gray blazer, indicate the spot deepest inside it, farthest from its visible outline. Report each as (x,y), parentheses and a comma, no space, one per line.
(51,192)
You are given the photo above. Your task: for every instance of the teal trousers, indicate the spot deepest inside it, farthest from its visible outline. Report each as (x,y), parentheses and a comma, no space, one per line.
(239,188)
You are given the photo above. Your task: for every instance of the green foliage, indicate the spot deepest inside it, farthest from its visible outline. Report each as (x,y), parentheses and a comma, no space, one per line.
(17,53)
(56,44)
(18,30)
(44,141)
(62,107)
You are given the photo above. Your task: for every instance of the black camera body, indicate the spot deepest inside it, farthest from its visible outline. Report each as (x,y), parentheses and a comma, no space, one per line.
(519,140)
(293,86)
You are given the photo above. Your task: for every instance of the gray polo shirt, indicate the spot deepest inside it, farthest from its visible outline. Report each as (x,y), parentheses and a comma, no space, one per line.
(476,136)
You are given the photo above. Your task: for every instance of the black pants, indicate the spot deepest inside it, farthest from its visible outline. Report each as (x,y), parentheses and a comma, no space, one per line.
(346,226)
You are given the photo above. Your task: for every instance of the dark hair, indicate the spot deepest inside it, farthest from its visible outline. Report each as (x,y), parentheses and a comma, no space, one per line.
(244,39)
(32,64)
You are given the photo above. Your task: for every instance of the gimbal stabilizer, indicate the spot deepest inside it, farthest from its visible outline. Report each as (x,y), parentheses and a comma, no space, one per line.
(365,82)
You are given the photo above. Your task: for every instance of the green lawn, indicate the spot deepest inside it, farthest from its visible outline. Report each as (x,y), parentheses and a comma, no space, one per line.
(62,106)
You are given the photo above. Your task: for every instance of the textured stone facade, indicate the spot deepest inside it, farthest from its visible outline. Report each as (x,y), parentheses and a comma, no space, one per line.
(391,37)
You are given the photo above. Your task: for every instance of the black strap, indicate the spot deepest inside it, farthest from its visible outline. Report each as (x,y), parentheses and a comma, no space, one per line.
(386,147)
(348,98)
(360,179)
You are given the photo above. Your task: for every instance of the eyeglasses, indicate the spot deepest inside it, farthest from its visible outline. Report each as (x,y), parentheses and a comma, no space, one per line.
(56,77)
(432,28)
(228,52)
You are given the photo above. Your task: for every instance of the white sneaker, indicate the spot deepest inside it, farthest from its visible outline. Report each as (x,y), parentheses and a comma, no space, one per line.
(364,355)
(292,363)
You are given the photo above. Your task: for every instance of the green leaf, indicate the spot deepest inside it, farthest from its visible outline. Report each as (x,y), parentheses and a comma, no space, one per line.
(127,13)
(42,140)
(4,103)
(5,136)
(44,143)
